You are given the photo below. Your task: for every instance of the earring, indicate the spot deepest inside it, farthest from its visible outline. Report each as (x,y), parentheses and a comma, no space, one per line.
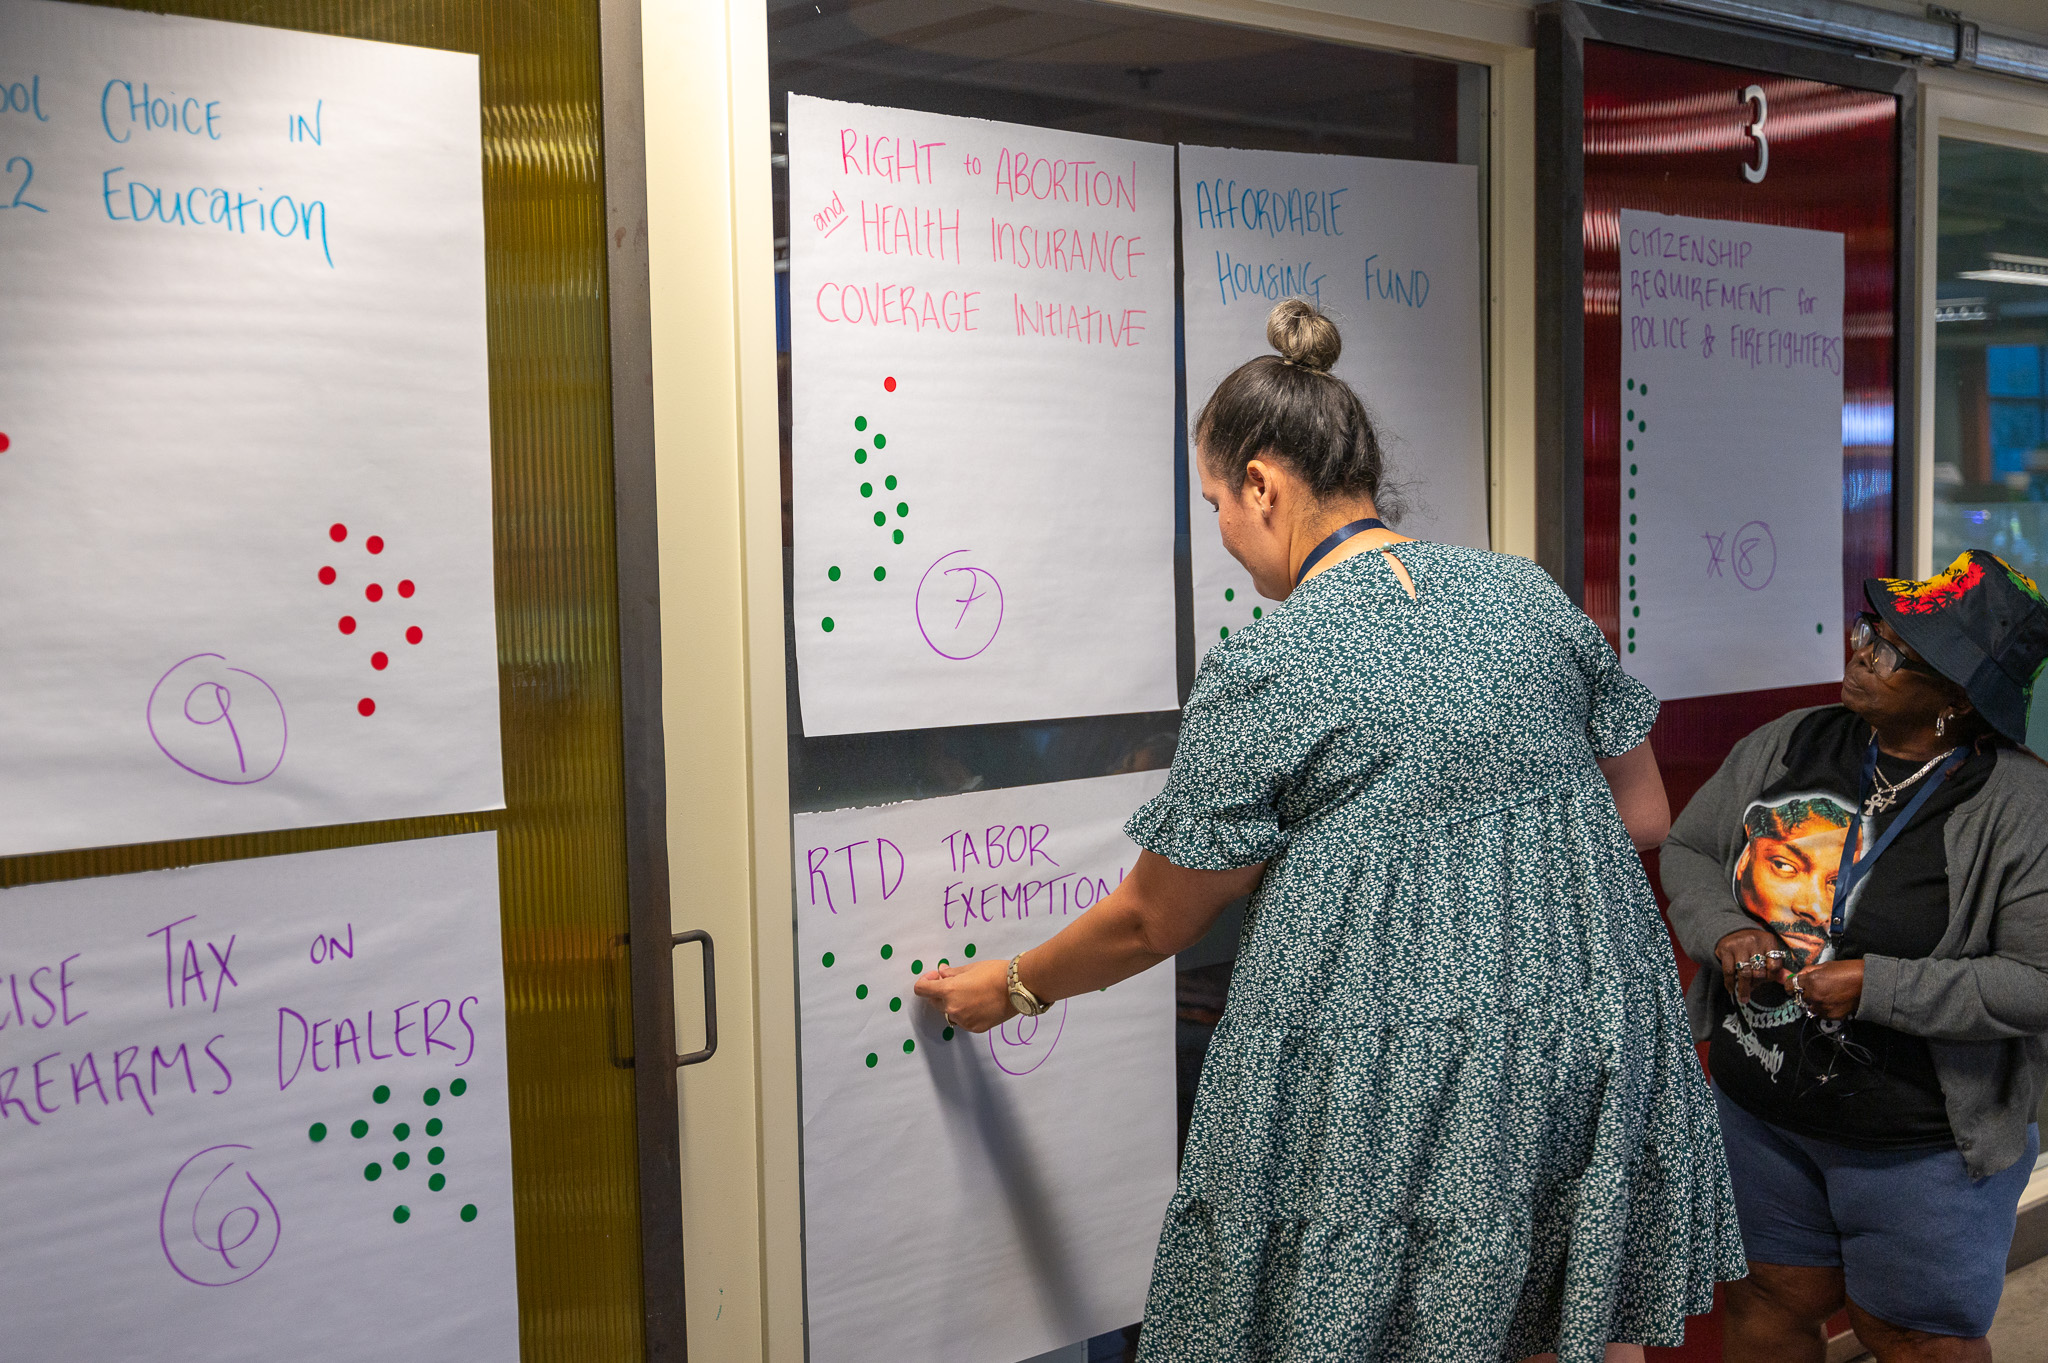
(1941,726)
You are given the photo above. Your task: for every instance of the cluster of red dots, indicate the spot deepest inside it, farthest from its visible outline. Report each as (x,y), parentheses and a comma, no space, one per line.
(372,593)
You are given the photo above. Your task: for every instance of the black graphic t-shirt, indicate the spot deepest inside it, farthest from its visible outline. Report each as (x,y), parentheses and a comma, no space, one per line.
(1853,1083)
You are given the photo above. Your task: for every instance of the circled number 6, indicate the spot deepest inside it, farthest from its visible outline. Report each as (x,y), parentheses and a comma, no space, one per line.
(1755,174)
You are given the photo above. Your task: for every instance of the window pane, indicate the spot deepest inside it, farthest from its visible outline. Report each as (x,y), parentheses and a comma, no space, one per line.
(1991,346)
(2013,371)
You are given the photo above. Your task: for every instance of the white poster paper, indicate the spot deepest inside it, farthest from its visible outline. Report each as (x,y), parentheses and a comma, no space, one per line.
(1731,455)
(983,367)
(256,1111)
(980,1199)
(1390,249)
(245,501)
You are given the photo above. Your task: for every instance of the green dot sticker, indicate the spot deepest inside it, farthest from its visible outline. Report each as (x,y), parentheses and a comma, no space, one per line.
(1820,629)
(1631,470)
(903,508)
(401,1160)
(373,1171)
(1642,426)
(1258,613)
(860,423)
(946,1035)
(909,1046)
(434,1126)
(860,456)
(880,572)
(317,1132)
(1631,633)
(890,482)
(917,967)
(1631,446)
(436,1155)
(1230,593)
(881,518)
(826,624)
(1631,593)
(832,573)
(829,958)
(860,991)
(382,1094)
(1223,633)
(1636,612)
(887,951)
(872,1058)
(437,1183)
(359,1128)
(881,442)
(1631,385)
(867,489)
(431,1097)
(1631,518)
(401,1213)
(1631,560)
(896,1004)
(401,1131)
(1631,415)
(1631,537)
(469,1211)
(970,951)
(1631,647)
(898,537)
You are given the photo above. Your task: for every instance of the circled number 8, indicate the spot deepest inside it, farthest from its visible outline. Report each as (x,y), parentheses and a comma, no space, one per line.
(1755,174)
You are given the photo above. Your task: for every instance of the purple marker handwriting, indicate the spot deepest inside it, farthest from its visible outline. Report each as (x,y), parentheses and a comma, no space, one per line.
(223,724)
(959,606)
(1754,556)
(217,1226)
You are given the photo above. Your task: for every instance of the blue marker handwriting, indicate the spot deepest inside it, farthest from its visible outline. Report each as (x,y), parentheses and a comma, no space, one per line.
(278,215)
(164,112)
(24,97)
(1276,212)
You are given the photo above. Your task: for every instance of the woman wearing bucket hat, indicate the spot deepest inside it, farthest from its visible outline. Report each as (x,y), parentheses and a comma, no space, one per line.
(1865,886)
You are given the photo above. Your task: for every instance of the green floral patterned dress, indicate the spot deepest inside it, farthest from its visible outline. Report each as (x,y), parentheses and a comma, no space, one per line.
(1453,1111)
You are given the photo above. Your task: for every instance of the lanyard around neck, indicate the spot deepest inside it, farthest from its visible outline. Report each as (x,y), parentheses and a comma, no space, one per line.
(1332,540)
(1853,872)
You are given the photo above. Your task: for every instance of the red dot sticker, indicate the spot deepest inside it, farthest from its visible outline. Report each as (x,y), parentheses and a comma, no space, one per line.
(379,661)
(375,544)
(405,588)
(327,577)
(374,592)
(413,635)
(337,532)
(348,624)
(888,385)
(4,442)
(366,707)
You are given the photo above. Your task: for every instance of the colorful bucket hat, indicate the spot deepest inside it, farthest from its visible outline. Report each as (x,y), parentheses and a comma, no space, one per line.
(1979,623)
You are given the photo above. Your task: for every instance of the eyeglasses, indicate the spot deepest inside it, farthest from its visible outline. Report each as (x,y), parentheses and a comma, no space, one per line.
(1885,656)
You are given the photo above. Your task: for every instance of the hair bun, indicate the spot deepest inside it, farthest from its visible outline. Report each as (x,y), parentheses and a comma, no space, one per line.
(1303,335)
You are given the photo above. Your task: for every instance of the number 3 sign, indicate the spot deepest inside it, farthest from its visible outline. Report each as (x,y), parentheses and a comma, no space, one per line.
(1755,174)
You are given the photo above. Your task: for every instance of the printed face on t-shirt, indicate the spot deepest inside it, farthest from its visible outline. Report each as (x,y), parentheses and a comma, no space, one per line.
(1785,877)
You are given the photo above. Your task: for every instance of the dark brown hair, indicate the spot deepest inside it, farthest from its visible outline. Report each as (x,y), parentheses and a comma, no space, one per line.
(1291,406)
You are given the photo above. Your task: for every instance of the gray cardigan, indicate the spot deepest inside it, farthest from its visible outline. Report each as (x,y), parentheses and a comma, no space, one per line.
(1981,999)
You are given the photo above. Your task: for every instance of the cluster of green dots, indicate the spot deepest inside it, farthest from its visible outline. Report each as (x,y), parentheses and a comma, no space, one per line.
(1642,427)
(402,1132)
(860,991)
(867,491)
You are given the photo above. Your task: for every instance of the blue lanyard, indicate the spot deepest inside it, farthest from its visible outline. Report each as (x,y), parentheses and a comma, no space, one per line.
(1852,872)
(1335,538)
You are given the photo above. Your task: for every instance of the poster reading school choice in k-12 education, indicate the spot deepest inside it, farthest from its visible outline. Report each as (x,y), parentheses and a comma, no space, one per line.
(256,1111)
(245,499)
(982,352)
(1390,249)
(978,1199)
(1731,455)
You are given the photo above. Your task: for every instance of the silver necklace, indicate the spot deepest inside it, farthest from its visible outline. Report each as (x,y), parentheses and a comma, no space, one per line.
(1887,793)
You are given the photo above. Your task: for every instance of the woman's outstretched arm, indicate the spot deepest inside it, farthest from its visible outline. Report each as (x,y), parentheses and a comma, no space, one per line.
(1159,909)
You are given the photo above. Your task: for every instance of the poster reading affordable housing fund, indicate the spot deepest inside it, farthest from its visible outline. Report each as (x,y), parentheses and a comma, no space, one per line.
(1390,250)
(245,465)
(256,1111)
(982,357)
(978,1199)
(1731,455)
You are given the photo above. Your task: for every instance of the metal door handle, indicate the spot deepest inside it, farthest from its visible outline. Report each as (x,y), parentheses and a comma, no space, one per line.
(710,998)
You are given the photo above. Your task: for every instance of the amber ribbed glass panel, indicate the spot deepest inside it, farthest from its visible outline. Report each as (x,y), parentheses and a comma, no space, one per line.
(561,836)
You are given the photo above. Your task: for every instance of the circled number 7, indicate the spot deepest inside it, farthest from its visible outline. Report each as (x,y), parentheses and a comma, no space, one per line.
(1755,174)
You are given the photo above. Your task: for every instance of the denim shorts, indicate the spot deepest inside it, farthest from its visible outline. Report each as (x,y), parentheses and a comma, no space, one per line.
(1921,1244)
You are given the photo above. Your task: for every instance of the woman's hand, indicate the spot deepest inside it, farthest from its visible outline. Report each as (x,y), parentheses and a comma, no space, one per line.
(1832,990)
(976,996)
(1737,952)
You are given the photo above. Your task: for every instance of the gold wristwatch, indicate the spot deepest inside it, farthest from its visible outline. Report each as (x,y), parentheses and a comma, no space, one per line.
(1021,998)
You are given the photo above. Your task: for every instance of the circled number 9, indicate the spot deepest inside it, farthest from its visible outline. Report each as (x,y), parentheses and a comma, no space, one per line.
(1755,174)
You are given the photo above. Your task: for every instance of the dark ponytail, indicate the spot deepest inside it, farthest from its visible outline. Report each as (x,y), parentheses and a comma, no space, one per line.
(1292,407)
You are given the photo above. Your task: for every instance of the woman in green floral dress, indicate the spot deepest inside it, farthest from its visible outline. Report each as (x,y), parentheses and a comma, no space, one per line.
(1452,1111)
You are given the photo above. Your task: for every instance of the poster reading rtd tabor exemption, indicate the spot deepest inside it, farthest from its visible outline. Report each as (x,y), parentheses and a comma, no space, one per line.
(1731,455)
